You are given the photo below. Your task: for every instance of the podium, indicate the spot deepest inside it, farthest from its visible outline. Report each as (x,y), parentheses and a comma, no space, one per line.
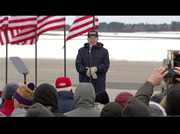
(20,66)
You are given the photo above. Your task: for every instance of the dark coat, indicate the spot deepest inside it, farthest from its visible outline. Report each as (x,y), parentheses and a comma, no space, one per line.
(99,58)
(65,101)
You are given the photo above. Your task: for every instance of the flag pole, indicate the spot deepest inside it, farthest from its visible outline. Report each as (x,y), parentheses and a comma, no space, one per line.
(65,51)
(36,56)
(6,31)
(93,22)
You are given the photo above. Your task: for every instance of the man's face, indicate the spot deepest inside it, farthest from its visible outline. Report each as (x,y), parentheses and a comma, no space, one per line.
(92,40)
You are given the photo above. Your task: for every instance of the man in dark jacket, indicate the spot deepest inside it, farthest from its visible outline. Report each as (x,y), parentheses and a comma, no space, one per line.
(92,62)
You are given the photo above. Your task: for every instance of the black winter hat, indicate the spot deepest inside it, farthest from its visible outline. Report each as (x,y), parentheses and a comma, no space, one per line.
(135,108)
(102,97)
(111,109)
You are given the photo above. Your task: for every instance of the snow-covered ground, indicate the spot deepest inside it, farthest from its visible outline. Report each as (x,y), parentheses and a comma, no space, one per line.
(139,46)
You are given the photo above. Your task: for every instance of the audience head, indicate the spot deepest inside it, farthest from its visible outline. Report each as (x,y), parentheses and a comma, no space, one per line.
(135,108)
(24,95)
(46,94)
(123,97)
(38,110)
(63,83)
(111,109)
(102,97)
(84,94)
(156,109)
(8,91)
(173,100)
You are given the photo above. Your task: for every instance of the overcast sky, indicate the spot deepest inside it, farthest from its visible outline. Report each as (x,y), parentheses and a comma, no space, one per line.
(132,19)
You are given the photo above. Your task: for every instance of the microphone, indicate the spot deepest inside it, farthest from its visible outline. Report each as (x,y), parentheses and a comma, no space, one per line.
(90,47)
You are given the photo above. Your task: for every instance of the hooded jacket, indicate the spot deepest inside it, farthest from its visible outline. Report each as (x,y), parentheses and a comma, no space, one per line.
(46,94)
(84,97)
(38,110)
(99,58)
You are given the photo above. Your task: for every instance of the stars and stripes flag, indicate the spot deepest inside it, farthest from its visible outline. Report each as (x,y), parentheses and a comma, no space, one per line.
(44,24)
(3,22)
(26,25)
(29,28)
(81,25)
(16,24)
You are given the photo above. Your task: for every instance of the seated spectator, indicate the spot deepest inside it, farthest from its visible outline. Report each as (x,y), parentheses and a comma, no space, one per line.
(23,97)
(65,94)
(101,99)
(38,110)
(123,97)
(171,101)
(156,109)
(84,97)
(46,94)
(135,108)
(111,109)
(7,98)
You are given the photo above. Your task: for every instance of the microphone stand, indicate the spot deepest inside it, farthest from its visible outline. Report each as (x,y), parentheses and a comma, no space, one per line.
(90,78)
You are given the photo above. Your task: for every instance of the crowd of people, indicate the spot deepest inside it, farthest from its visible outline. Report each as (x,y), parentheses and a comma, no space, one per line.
(61,100)
(90,98)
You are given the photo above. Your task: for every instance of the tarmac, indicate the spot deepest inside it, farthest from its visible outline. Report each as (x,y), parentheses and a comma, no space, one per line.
(121,76)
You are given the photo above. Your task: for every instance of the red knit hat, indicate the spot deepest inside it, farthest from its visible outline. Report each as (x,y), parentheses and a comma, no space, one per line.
(123,97)
(63,82)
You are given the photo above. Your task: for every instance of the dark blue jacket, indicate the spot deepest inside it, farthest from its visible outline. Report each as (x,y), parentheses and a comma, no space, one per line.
(99,58)
(65,101)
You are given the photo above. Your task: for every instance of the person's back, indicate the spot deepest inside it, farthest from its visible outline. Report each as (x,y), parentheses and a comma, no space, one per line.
(84,96)
(111,109)
(7,98)
(101,99)
(23,97)
(173,100)
(38,110)
(46,94)
(65,101)
(65,94)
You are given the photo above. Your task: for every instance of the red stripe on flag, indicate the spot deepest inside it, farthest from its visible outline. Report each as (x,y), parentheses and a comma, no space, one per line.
(81,25)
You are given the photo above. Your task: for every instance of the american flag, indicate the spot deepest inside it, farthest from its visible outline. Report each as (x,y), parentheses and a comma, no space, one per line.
(44,24)
(28,28)
(14,26)
(3,22)
(81,25)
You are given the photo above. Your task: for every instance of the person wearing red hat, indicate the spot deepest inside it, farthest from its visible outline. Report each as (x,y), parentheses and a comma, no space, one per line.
(65,94)
(123,97)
